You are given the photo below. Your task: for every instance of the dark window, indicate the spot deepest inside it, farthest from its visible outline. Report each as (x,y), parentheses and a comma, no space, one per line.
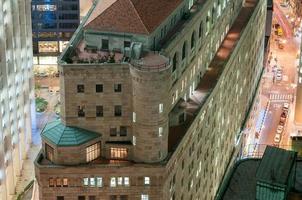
(124,197)
(68,25)
(60,197)
(174,62)
(105,44)
(181,118)
(99,88)
(113,132)
(113,197)
(200,29)
(81,111)
(193,40)
(92,198)
(184,49)
(127,44)
(123,131)
(117,87)
(99,111)
(81,197)
(117,111)
(80,88)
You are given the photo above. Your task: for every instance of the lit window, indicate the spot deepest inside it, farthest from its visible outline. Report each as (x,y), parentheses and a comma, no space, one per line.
(59,182)
(93,152)
(134,140)
(65,182)
(49,152)
(85,181)
(119,153)
(160,131)
(144,197)
(147,180)
(161,108)
(92,182)
(51,182)
(119,180)
(134,117)
(99,182)
(112,182)
(126,181)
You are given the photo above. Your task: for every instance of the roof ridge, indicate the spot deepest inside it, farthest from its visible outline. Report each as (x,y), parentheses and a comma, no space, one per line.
(63,132)
(131,3)
(100,14)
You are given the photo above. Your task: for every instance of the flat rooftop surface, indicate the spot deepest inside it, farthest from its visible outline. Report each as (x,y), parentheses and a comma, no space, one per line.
(212,75)
(276,165)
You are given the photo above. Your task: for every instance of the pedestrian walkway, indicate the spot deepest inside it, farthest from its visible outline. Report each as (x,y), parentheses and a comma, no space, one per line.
(281,97)
(28,172)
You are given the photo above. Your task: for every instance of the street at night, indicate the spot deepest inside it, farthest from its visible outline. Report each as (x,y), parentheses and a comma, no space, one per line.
(275,92)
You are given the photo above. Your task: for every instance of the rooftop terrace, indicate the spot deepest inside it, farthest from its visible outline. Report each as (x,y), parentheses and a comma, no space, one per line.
(211,77)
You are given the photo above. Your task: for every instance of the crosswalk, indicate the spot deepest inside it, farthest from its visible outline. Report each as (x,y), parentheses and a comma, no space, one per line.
(281,97)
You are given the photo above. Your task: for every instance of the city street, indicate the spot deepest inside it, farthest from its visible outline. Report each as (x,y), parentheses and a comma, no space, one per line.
(279,90)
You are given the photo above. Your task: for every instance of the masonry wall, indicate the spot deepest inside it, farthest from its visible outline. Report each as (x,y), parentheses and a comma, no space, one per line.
(215,133)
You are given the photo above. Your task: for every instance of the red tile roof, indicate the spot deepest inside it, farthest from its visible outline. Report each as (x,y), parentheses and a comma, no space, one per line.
(130,16)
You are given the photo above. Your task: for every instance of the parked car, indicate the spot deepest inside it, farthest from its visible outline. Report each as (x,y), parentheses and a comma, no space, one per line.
(285,106)
(284,4)
(280,129)
(282,123)
(277,138)
(278,77)
(283,116)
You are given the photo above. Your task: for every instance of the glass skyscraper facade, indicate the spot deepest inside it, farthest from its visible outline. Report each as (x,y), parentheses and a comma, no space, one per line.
(53,24)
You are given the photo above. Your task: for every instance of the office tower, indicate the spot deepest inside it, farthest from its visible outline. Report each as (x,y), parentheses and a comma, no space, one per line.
(16,94)
(53,24)
(154,98)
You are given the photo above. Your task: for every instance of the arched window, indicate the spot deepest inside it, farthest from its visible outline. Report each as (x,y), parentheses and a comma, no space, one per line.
(213,16)
(193,40)
(200,30)
(174,62)
(184,49)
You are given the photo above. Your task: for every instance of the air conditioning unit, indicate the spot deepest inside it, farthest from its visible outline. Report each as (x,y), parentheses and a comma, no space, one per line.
(136,50)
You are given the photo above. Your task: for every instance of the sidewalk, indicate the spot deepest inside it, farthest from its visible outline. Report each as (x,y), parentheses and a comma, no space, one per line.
(28,172)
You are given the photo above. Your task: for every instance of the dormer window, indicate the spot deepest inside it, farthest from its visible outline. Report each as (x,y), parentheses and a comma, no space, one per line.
(105,44)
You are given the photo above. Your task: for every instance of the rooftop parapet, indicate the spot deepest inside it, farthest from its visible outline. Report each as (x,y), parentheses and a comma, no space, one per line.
(151,61)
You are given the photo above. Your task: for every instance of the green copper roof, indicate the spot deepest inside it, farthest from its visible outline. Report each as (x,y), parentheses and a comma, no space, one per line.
(61,135)
(276,166)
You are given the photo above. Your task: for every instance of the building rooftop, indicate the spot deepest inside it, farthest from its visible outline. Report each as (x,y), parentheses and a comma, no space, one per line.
(242,182)
(130,16)
(59,134)
(212,75)
(275,166)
